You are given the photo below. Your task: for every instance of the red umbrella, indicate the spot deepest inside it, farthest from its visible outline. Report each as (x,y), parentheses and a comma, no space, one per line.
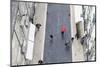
(63,28)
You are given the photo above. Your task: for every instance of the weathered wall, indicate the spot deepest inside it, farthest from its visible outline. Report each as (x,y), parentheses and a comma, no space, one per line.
(20,25)
(21,14)
(40,17)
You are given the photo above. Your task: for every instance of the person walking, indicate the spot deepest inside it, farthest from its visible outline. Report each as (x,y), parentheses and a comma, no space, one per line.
(63,30)
(38,26)
(51,36)
(40,62)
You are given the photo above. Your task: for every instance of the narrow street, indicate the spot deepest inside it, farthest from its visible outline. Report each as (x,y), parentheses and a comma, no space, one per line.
(55,51)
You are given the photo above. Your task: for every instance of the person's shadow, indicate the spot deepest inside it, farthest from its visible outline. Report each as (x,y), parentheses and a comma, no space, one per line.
(67,45)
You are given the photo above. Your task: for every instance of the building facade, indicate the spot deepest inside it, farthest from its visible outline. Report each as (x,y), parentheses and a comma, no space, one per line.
(27,42)
(89,16)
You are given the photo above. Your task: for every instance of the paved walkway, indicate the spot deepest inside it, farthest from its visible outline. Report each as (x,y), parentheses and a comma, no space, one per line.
(55,51)
(77,51)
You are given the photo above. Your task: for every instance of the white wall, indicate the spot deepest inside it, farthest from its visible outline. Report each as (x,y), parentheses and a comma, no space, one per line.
(78,18)
(40,17)
(76,12)
(73,24)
